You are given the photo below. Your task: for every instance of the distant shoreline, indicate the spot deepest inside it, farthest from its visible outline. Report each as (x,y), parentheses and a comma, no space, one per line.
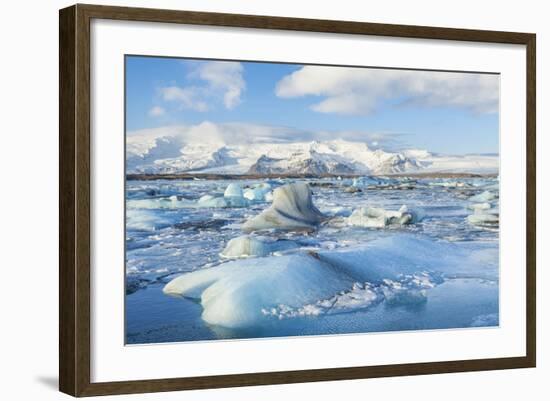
(213,176)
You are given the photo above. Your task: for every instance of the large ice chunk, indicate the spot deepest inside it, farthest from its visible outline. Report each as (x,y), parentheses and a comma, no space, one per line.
(485,196)
(144,220)
(488,218)
(292,210)
(249,246)
(257,193)
(233,294)
(379,218)
(480,206)
(364,182)
(232,197)
(233,190)
(172,202)
(244,292)
(222,201)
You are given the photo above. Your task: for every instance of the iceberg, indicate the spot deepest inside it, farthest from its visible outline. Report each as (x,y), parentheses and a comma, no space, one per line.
(480,206)
(250,292)
(379,218)
(248,246)
(233,294)
(144,220)
(484,215)
(172,202)
(292,210)
(232,197)
(221,201)
(483,219)
(448,184)
(233,190)
(257,193)
(360,182)
(485,196)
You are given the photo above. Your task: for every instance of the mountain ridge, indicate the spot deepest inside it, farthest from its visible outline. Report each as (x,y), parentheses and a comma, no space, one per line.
(173,154)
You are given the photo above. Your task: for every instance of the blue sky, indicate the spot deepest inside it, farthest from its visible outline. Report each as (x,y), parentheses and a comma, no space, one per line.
(453,113)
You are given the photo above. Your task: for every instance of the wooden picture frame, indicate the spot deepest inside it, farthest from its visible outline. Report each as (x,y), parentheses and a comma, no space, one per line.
(75,207)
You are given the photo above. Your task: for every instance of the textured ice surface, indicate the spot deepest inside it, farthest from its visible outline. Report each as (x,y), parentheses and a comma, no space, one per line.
(247,246)
(480,206)
(483,197)
(379,218)
(484,218)
(292,209)
(164,242)
(237,294)
(258,192)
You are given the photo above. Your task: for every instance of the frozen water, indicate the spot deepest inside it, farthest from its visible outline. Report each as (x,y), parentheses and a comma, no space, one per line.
(483,197)
(292,210)
(480,206)
(258,192)
(164,242)
(237,294)
(233,294)
(379,218)
(247,246)
(233,190)
(483,219)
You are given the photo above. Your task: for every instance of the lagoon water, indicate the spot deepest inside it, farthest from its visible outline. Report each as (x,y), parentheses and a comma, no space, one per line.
(169,232)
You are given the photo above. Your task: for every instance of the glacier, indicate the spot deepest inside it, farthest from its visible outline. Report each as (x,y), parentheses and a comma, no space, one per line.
(178,150)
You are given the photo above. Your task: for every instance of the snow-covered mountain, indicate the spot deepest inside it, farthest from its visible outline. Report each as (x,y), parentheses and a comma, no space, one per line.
(171,152)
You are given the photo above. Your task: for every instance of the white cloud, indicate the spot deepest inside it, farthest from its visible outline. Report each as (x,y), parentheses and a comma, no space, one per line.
(247,133)
(225,77)
(359,91)
(157,111)
(188,98)
(220,81)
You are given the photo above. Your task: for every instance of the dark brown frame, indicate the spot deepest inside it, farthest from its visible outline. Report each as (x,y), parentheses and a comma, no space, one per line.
(74,199)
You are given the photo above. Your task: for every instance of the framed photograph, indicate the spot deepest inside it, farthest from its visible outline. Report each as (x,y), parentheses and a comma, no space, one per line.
(250,200)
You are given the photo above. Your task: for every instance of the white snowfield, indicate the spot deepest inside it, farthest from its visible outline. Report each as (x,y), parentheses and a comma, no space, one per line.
(180,149)
(250,292)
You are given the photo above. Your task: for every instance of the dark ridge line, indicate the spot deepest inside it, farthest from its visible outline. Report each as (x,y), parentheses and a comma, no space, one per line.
(212,176)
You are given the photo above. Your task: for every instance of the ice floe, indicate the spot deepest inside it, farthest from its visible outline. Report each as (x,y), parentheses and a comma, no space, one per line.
(484,214)
(485,196)
(233,190)
(364,182)
(232,197)
(222,201)
(379,218)
(292,210)
(144,220)
(258,192)
(171,202)
(248,246)
(400,268)
(480,206)
(484,218)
